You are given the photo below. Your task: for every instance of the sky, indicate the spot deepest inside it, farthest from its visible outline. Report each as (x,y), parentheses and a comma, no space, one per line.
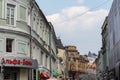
(77,22)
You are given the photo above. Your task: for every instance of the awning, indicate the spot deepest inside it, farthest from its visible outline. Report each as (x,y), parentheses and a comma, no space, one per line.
(18,60)
(44,75)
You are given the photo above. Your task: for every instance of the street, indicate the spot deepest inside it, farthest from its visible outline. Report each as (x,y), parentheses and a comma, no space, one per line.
(88,77)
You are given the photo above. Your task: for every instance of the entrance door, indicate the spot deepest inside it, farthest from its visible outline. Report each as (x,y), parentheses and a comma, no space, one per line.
(10,76)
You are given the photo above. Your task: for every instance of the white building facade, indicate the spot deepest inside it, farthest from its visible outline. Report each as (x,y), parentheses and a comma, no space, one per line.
(27,41)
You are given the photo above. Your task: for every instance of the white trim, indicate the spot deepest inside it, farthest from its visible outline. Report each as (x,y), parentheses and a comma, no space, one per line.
(3,9)
(19,19)
(11,2)
(15,29)
(15,11)
(23,42)
(22,3)
(14,45)
(3,45)
(28,17)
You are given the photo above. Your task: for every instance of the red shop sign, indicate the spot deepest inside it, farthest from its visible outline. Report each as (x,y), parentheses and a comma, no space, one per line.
(17,62)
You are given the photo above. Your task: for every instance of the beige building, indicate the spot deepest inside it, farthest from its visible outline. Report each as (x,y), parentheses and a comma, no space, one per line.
(61,61)
(77,64)
(73,60)
(62,70)
(83,64)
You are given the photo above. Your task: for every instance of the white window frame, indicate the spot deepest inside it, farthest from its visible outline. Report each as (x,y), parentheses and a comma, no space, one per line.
(15,11)
(13,45)
(26,47)
(34,21)
(10,7)
(42,57)
(3,8)
(28,16)
(38,25)
(3,49)
(25,12)
(46,63)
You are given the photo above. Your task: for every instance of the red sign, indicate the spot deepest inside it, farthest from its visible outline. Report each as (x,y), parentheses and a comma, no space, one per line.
(17,62)
(44,75)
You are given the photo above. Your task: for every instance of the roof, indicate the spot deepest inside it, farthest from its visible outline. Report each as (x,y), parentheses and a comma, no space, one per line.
(59,44)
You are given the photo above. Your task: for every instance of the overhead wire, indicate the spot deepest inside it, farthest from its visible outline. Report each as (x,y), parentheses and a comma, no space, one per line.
(105,2)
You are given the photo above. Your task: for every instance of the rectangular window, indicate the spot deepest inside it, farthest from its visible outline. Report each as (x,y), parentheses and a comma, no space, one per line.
(46,61)
(38,26)
(1,11)
(10,14)
(34,22)
(22,48)
(9,45)
(22,13)
(42,58)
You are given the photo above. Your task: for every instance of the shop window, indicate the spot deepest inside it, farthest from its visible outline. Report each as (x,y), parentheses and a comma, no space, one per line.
(9,45)
(10,76)
(10,14)
(14,76)
(6,76)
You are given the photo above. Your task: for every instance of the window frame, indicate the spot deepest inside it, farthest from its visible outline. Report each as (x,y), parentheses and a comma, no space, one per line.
(42,55)
(3,42)
(14,7)
(26,47)
(46,63)
(13,45)
(25,13)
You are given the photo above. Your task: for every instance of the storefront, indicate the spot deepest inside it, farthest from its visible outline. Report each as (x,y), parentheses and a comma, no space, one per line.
(17,67)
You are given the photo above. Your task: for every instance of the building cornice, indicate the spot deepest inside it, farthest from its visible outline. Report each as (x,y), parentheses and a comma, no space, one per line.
(26,35)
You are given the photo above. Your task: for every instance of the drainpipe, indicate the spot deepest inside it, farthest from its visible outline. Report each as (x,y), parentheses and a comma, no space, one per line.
(32,5)
(32,2)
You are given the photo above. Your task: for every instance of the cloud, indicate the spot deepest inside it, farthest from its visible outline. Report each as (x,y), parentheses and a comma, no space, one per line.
(72,25)
(72,17)
(80,1)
